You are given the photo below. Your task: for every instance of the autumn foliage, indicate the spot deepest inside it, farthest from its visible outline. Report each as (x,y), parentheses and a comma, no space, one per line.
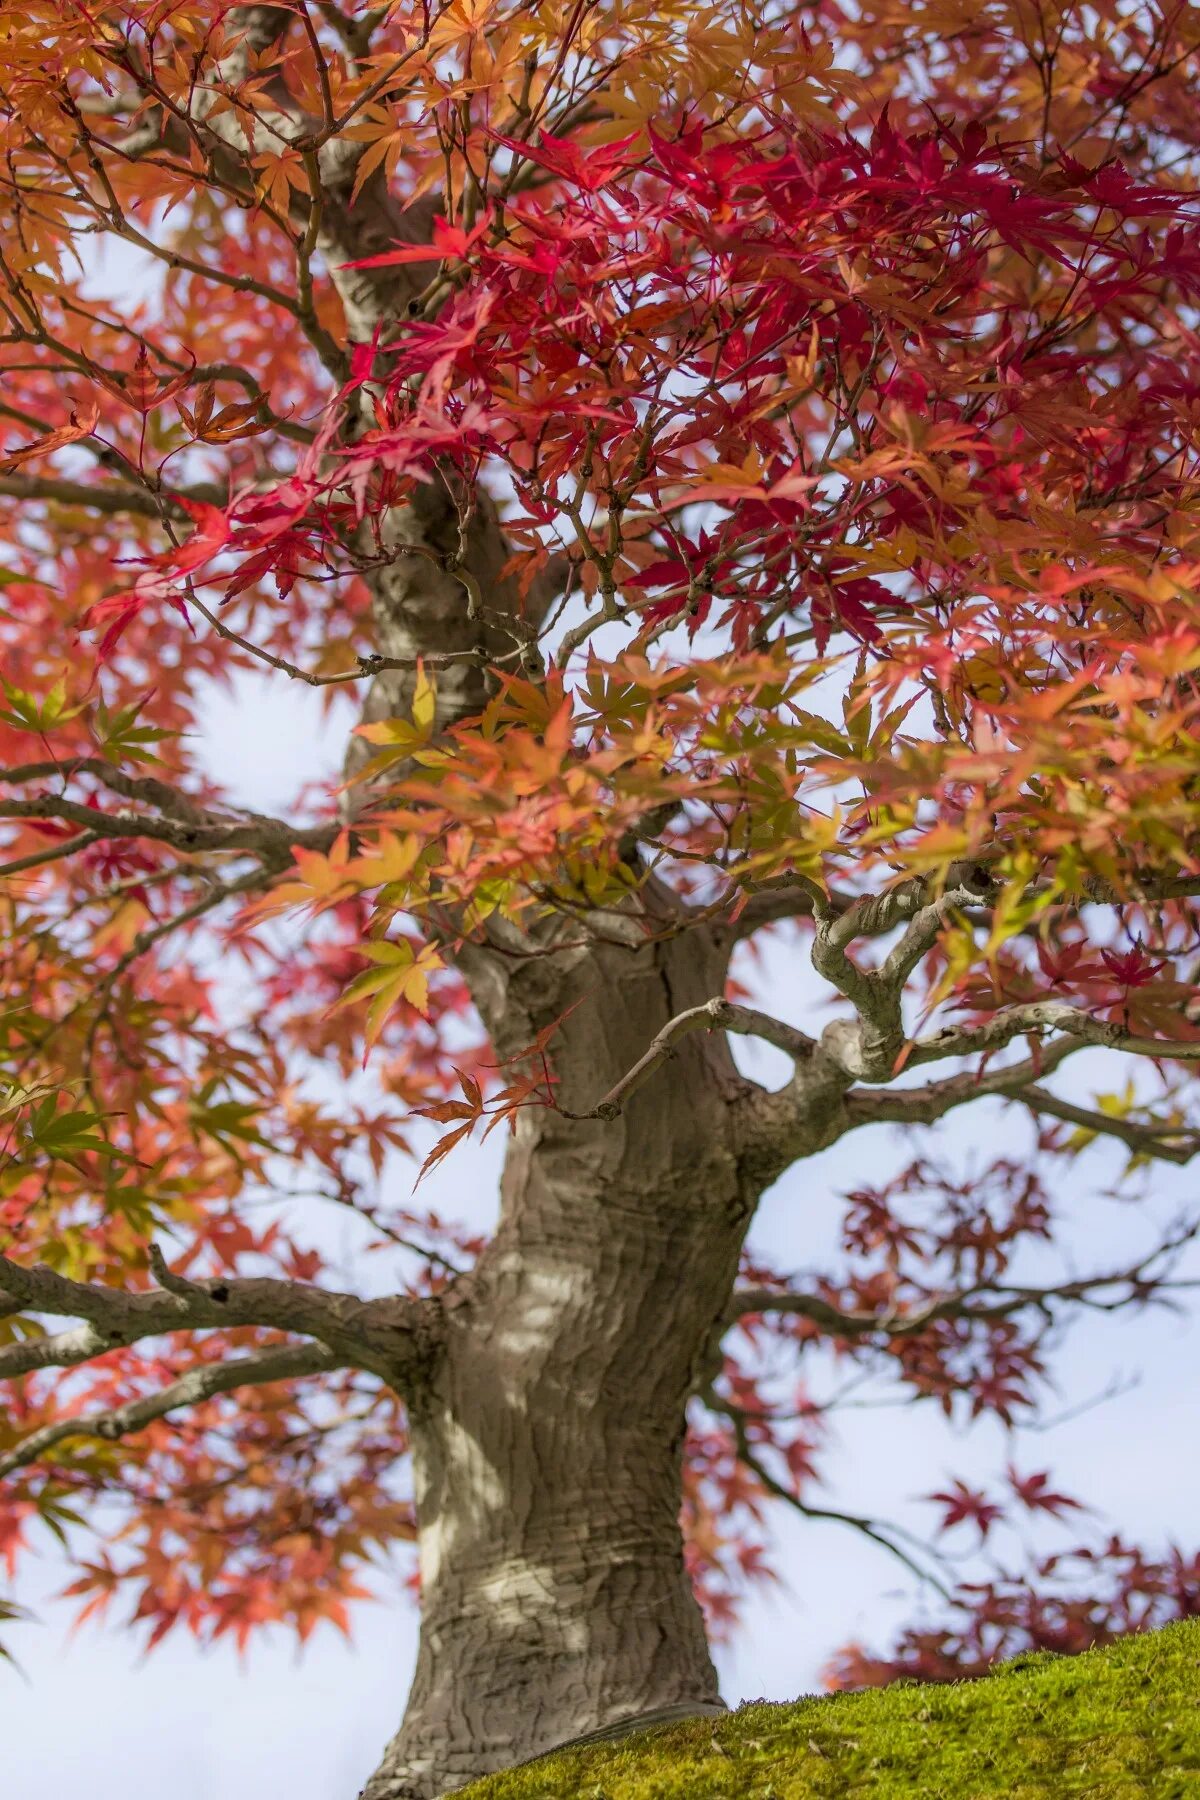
(834,373)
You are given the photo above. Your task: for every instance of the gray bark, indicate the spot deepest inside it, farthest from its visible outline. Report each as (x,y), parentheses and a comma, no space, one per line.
(547,1444)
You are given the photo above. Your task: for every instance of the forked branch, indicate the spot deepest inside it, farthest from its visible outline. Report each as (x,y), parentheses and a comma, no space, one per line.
(714,1015)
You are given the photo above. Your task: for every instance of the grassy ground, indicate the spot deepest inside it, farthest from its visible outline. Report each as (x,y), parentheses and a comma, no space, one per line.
(1111,1725)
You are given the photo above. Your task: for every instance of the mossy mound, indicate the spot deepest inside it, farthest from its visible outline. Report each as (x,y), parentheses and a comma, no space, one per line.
(1111,1724)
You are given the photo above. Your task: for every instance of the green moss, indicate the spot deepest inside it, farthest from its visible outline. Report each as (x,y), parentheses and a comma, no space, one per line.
(1112,1724)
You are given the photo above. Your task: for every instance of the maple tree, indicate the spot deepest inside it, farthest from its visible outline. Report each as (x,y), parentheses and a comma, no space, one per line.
(742,465)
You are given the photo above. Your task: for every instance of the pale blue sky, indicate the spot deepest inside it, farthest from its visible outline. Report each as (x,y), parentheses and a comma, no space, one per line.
(206,1727)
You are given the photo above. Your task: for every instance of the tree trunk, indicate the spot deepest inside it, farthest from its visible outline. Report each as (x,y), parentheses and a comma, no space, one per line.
(547,1448)
(547,1441)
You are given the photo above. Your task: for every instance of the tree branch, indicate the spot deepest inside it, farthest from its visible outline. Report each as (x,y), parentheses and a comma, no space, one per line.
(868,1047)
(1159,1139)
(925,1105)
(782,897)
(882,1535)
(1036,1016)
(147,788)
(184,824)
(985,1302)
(106,498)
(874,915)
(62,1350)
(714,1015)
(201,1383)
(55,853)
(393,1338)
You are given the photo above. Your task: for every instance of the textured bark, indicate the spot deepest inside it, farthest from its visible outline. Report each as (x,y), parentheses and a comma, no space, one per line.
(547,1447)
(423,608)
(547,1443)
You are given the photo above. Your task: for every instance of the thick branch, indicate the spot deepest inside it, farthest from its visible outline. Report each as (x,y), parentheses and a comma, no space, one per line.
(925,1105)
(783,897)
(917,898)
(146,788)
(867,1048)
(393,1337)
(820,1104)
(874,915)
(106,498)
(198,1384)
(1035,1017)
(180,822)
(62,1350)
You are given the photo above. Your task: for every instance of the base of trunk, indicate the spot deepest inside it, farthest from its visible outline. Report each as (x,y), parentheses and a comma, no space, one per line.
(544,1653)
(547,1441)
(415,1784)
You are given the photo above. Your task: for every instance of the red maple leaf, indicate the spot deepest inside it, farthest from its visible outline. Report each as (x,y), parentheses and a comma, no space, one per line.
(962,1504)
(589,170)
(1035,1492)
(1133,968)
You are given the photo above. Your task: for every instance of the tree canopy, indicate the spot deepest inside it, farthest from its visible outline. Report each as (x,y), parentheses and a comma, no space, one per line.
(734,471)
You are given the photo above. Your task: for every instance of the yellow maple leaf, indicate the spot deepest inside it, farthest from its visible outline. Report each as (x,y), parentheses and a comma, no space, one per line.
(398,974)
